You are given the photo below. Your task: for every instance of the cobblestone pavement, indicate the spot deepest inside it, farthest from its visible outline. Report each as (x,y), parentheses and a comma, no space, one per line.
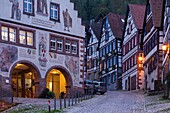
(112,102)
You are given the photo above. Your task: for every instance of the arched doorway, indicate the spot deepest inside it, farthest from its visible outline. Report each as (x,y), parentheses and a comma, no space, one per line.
(24,80)
(58,80)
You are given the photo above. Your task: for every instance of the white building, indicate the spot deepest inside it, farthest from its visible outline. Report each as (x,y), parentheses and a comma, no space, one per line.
(41,46)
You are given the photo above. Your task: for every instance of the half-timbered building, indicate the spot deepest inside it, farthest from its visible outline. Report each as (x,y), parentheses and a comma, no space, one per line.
(152,44)
(133,74)
(110,52)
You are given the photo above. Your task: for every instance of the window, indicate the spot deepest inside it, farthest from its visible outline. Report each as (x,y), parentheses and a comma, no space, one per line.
(12,34)
(28,6)
(53,43)
(22,37)
(59,45)
(26,37)
(74,48)
(54,12)
(4,33)
(17,35)
(67,46)
(29,38)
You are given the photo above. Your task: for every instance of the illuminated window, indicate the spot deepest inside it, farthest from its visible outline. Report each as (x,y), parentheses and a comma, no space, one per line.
(22,37)
(26,37)
(4,32)
(29,38)
(12,34)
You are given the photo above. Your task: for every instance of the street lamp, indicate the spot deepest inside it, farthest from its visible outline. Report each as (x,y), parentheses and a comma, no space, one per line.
(166,49)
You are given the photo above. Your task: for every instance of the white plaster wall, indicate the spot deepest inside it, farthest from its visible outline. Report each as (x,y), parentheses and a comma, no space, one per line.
(77,28)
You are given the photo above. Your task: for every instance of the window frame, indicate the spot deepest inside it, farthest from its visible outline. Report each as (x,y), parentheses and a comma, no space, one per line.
(64,39)
(29,13)
(26,43)
(16,42)
(58,13)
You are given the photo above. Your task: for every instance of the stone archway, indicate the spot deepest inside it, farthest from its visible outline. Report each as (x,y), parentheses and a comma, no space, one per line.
(58,80)
(25,79)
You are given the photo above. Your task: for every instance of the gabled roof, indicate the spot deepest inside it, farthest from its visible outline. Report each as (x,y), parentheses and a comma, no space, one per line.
(138,14)
(157,12)
(96,27)
(116,24)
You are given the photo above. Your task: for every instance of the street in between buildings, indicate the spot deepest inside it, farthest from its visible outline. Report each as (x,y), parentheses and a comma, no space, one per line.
(112,102)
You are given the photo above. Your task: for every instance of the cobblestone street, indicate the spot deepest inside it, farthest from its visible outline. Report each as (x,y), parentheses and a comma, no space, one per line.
(112,102)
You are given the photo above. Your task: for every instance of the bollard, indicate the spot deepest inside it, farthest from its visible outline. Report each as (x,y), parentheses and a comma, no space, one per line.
(75,99)
(65,101)
(72,99)
(49,107)
(78,97)
(60,102)
(68,99)
(54,102)
(84,96)
(81,97)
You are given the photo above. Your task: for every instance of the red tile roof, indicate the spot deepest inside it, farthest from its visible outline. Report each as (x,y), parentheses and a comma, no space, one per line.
(138,14)
(96,27)
(116,24)
(157,12)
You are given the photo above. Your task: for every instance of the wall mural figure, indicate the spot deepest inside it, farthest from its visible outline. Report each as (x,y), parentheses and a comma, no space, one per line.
(15,11)
(8,54)
(42,7)
(42,49)
(73,65)
(67,20)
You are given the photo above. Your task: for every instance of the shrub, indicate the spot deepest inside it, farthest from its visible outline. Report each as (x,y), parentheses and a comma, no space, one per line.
(50,94)
(46,94)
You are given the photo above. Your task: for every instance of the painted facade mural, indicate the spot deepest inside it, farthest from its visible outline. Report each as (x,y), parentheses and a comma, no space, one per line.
(73,65)
(67,20)
(15,11)
(42,7)
(8,54)
(42,49)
